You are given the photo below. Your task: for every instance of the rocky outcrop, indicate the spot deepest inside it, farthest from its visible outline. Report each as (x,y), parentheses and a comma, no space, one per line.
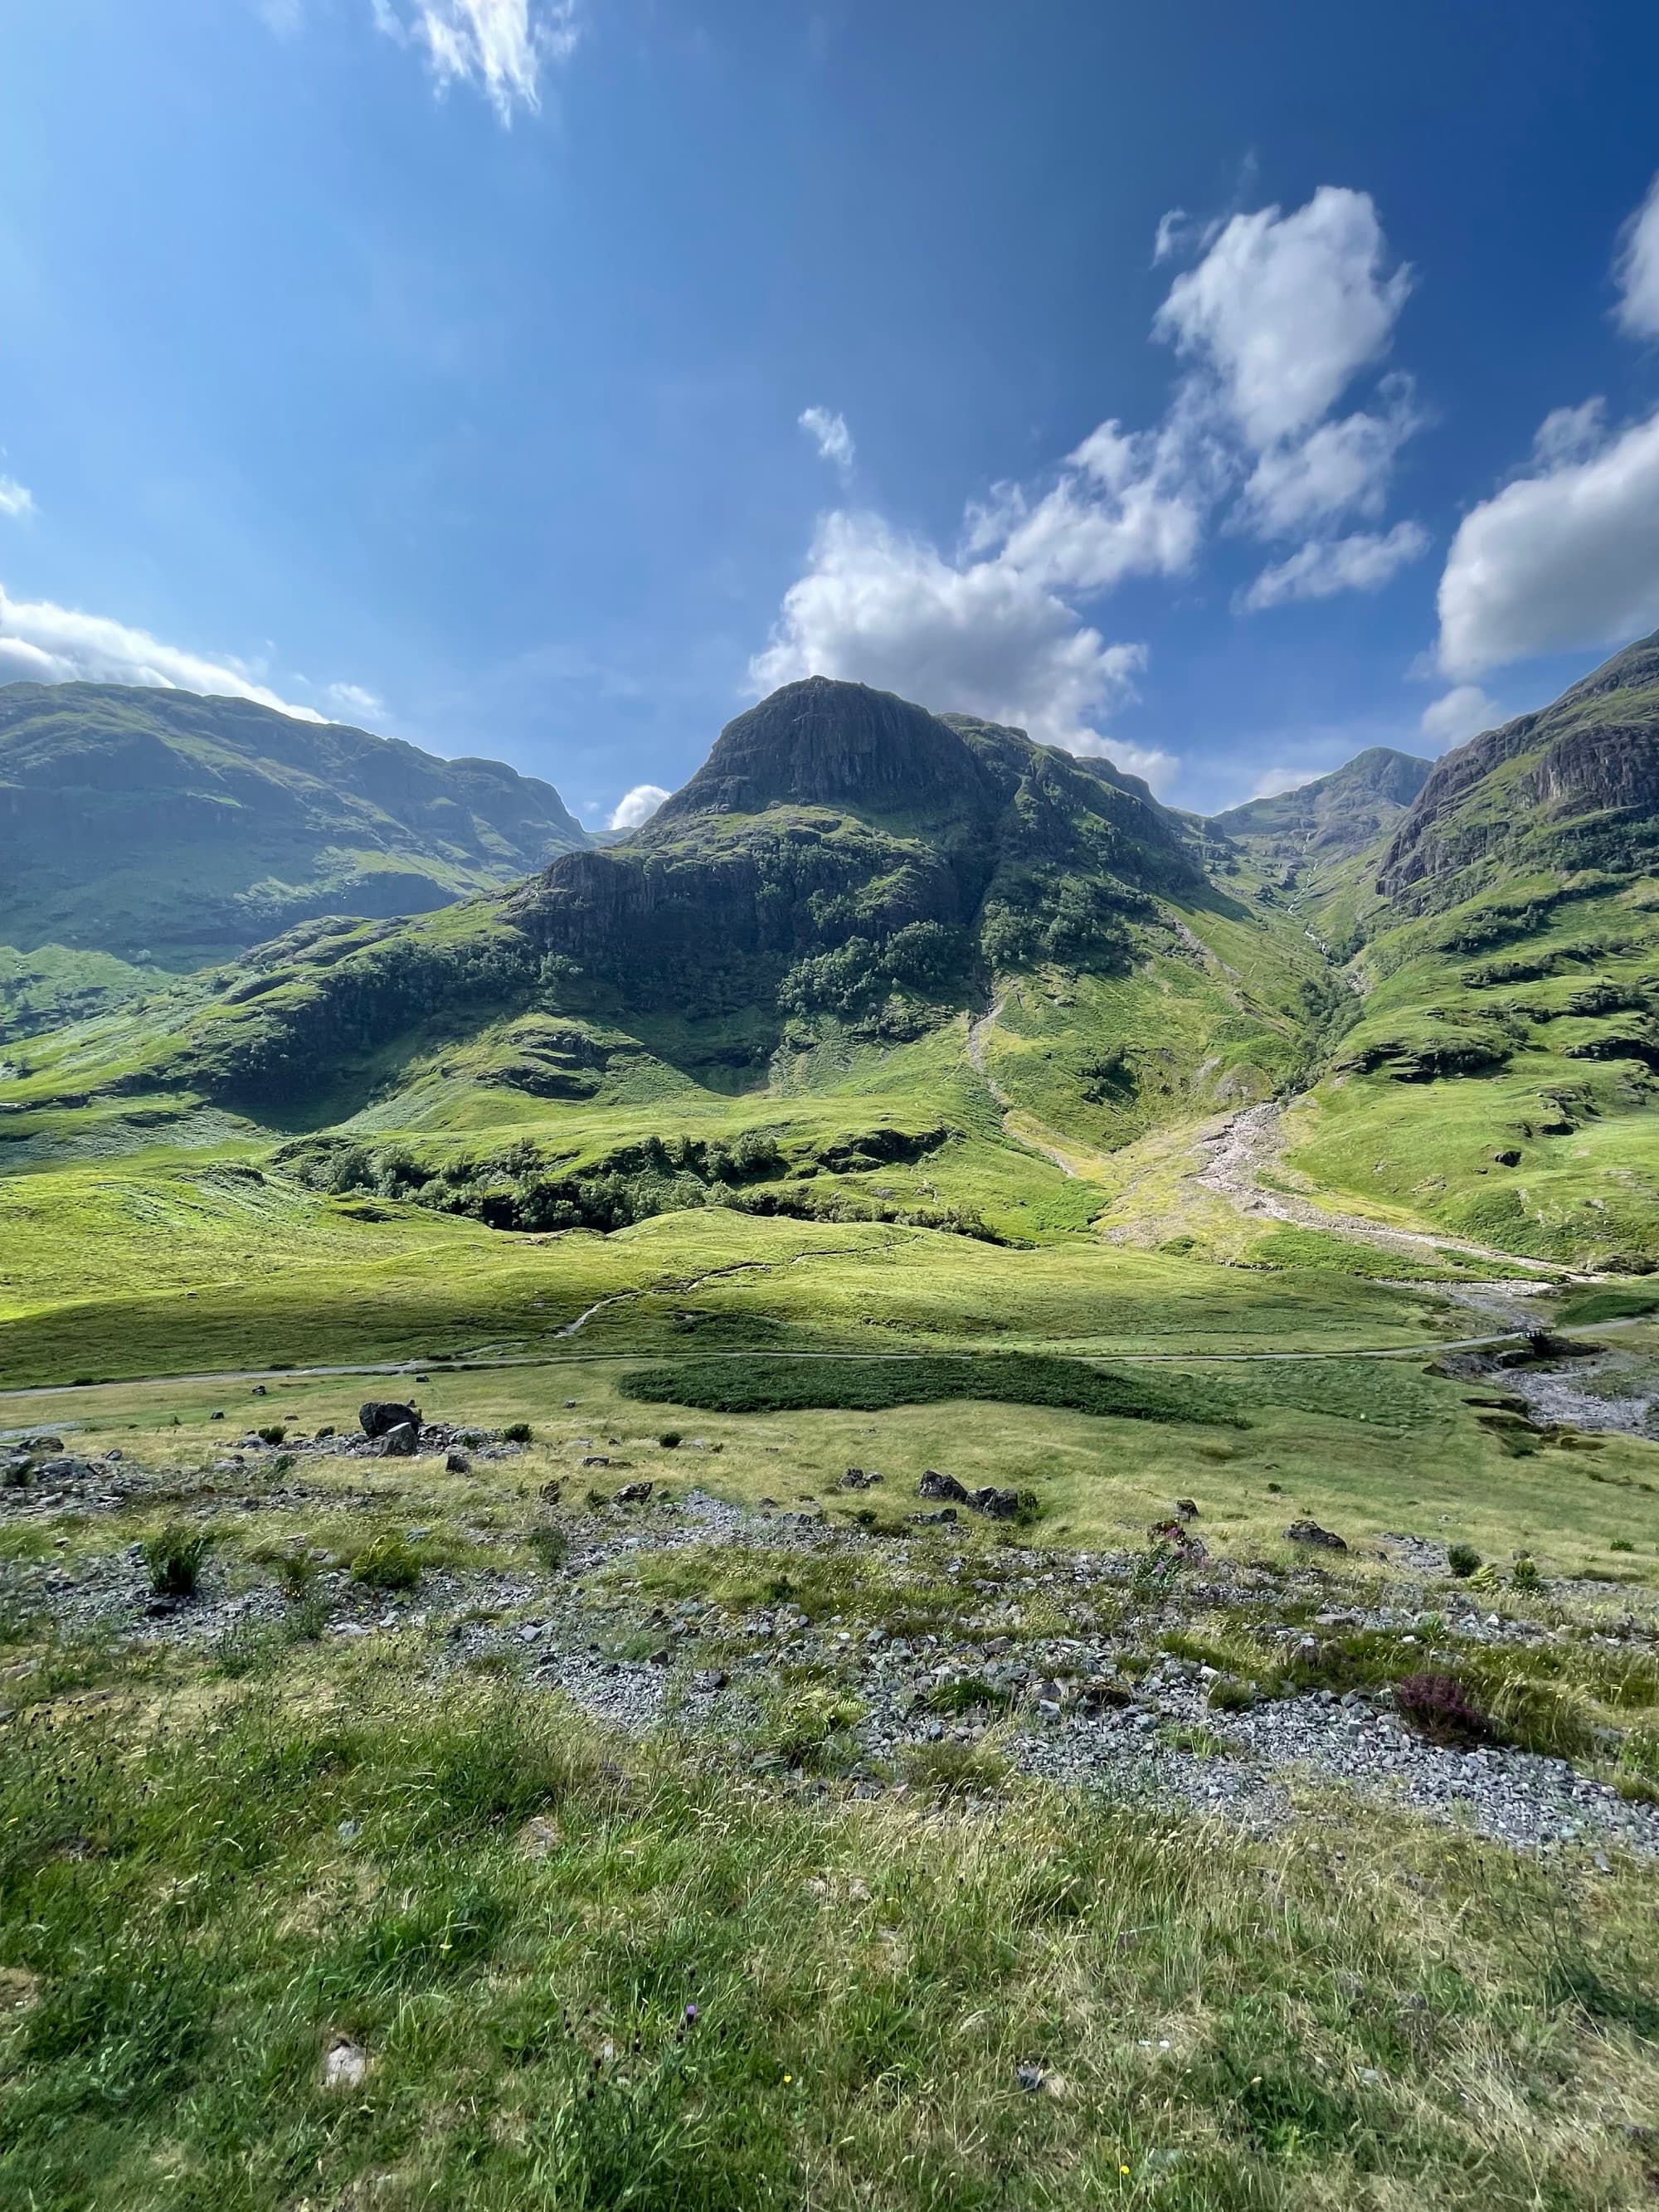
(1575,786)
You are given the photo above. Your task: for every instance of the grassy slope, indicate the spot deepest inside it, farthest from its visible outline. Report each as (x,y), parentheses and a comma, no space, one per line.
(1585,1185)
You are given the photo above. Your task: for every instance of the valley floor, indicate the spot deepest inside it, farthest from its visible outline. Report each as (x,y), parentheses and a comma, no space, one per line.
(665,1805)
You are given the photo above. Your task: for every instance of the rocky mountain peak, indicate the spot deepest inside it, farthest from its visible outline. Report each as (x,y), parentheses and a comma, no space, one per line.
(822,743)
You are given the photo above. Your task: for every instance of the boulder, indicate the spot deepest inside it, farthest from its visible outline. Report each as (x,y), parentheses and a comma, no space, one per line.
(934,1485)
(458,1463)
(995,1504)
(929,1520)
(402,1441)
(1310,1532)
(633,1493)
(1185,1509)
(380,1416)
(39,1446)
(856,1479)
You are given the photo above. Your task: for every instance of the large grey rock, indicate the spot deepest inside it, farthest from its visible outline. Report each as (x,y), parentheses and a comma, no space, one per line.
(380,1416)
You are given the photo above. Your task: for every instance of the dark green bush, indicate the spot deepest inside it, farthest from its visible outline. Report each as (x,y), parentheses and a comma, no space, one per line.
(518,1432)
(1462,1560)
(175,1560)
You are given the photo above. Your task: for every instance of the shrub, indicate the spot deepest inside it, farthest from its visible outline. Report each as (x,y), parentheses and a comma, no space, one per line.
(386,1564)
(1439,1707)
(271,1435)
(175,1560)
(1524,1575)
(1549,1718)
(955,1769)
(670,1439)
(1639,1757)
(518,1432)
(1463,1560)
(1227,1695)
(550,1546)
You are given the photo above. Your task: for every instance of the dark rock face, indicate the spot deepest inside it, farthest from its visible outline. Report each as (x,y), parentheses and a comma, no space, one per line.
(402,1441)
(1576,785)
(819,743)
(380,1416)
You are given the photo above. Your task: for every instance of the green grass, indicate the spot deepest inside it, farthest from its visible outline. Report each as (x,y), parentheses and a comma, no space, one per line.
(740,1386)
(583,1985)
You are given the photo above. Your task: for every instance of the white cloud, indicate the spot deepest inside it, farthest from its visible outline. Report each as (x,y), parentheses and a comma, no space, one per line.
(1337,468)
(636,805)
(46,644)
(1284,310)
(1567,557)
(17,501)
(1273,781)
(1462,713)
(499,44)
(1636,269)
(1363,563)
(285,17)
(1279,316)
(1567,434)
(830,434)
(984,636)
(354,699)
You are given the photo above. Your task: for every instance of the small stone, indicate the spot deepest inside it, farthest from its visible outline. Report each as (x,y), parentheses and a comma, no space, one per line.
(345,2066)
(1184,1508)
(457,1462)
(348,1831)
(634,1494)
(1310,1532)
(710,1678)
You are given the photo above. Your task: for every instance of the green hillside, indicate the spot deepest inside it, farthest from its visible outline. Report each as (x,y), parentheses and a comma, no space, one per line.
(170,832)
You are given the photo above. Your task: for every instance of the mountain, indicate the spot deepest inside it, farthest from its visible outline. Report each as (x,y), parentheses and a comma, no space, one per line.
(1575,786)
(1335,815)
(873,961)
(173,831)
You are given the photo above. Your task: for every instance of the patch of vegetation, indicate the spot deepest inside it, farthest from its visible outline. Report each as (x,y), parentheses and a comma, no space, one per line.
(387,1563)
(174,1558)
(872,1385)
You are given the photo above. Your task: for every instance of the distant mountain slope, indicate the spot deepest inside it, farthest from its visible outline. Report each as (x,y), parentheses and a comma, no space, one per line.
(1335,816)
(176,830)
(1575,786)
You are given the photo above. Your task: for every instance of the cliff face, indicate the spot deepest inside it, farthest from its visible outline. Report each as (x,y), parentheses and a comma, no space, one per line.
(820,743)
(1575,786)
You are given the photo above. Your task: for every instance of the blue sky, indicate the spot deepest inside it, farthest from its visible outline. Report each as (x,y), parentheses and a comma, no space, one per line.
(1221,389)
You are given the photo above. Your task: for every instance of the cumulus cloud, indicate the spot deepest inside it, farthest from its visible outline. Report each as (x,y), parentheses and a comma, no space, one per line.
(501,45)
(1337,468)
(1462,713)
(1567,556)
(636,805)
(987,636)
(17,501)
(1636,269)
(830,434)
(41,643)
(1363,563)
(1284,310)
(1273,323)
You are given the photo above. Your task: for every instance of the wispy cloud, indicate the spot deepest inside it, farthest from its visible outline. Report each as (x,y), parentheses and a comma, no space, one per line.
(501,46)
(17,501)
(830,434)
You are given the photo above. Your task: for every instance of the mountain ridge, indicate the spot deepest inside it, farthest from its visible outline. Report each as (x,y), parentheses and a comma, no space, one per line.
(177,829)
